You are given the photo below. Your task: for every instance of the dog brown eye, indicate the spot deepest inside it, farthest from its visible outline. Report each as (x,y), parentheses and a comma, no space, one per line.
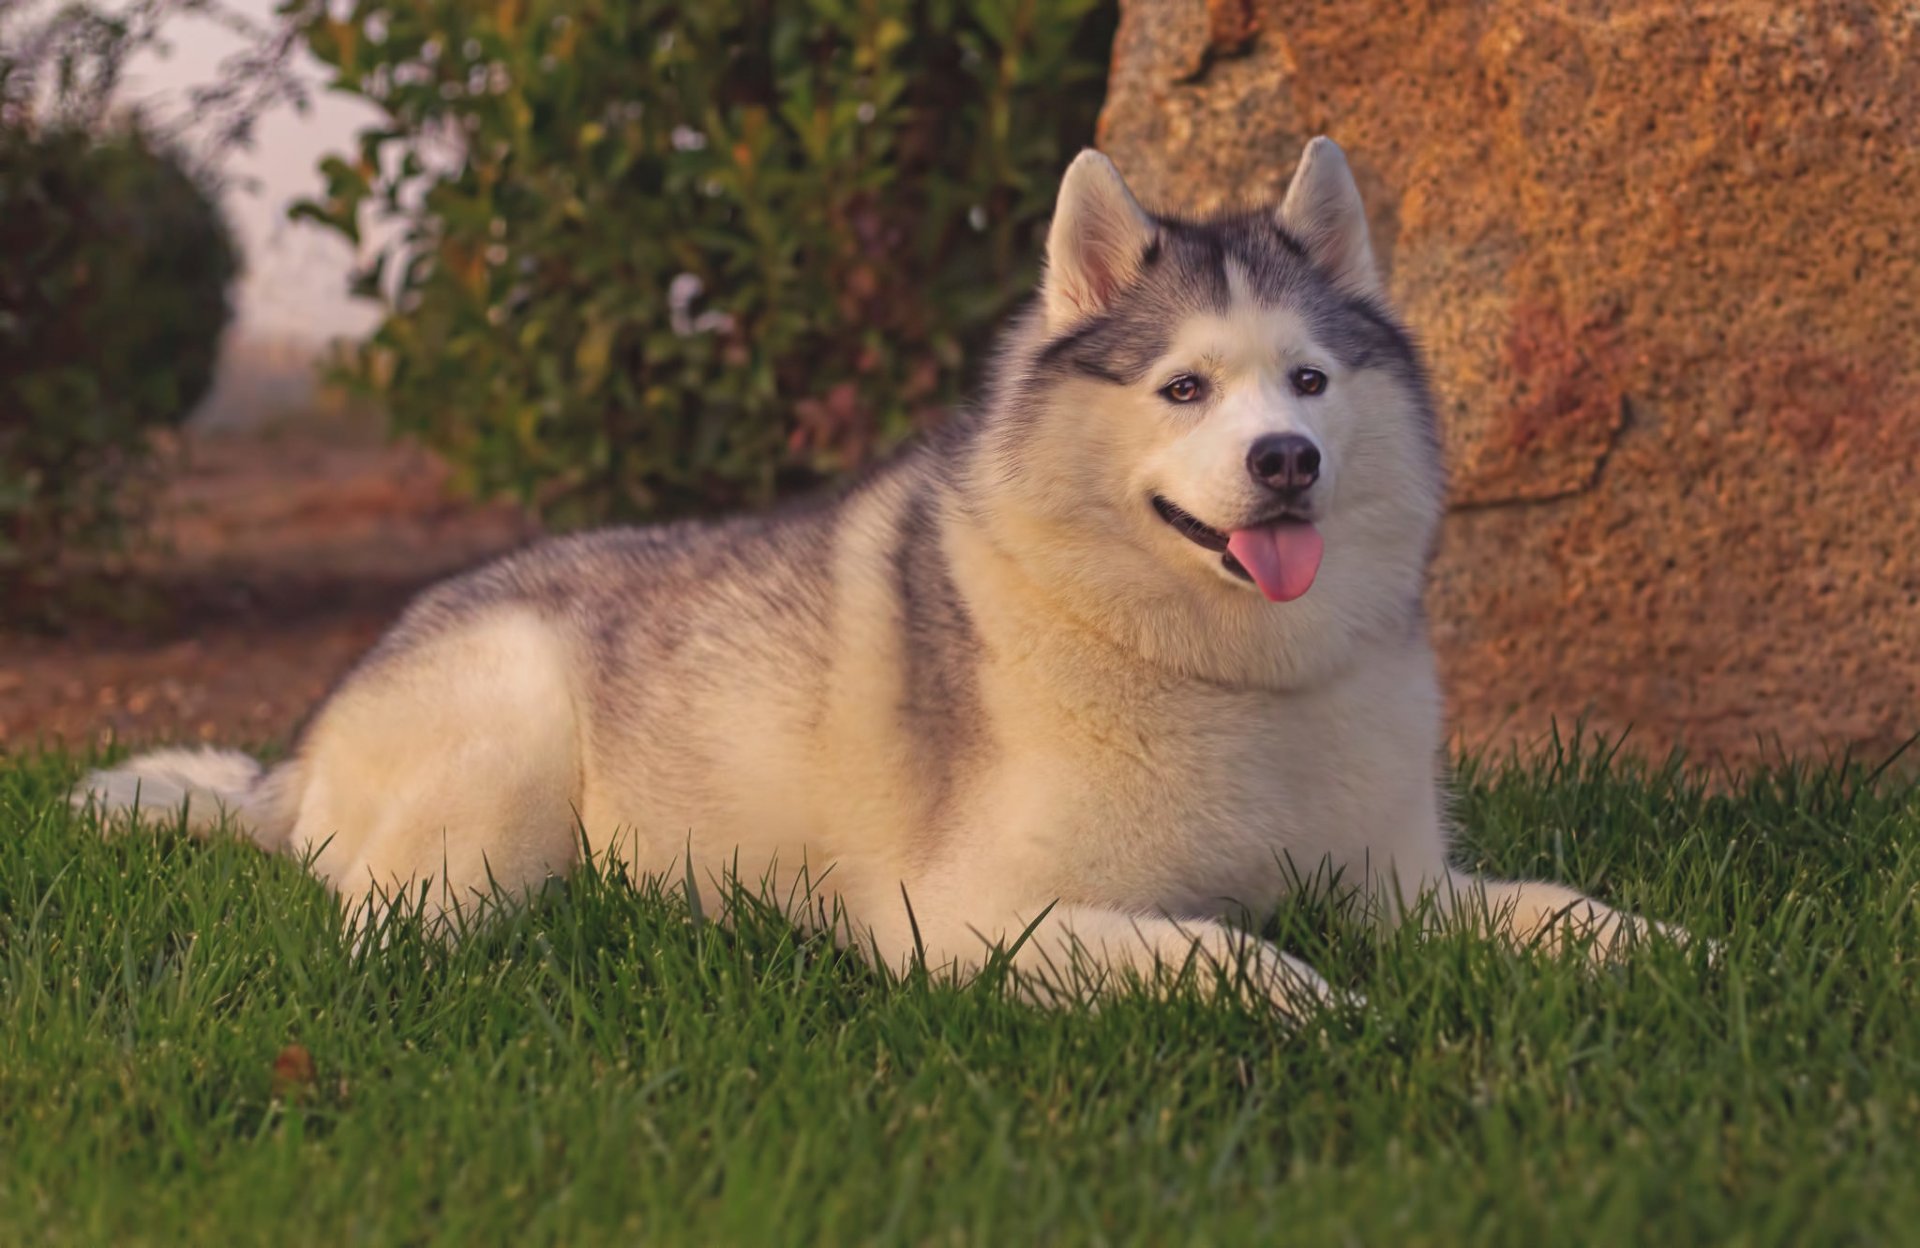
(1182,389)
(1308,380)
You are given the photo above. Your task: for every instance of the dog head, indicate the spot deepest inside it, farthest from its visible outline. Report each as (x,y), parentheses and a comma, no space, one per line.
(1211,436)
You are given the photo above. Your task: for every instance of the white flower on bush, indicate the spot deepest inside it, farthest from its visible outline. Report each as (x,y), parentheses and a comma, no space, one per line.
(681,294)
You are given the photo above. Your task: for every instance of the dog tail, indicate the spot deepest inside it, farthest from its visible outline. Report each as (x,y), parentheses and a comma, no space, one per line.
(214,788)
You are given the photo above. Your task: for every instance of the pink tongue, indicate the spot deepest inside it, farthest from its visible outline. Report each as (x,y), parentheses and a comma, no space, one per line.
(1282,558)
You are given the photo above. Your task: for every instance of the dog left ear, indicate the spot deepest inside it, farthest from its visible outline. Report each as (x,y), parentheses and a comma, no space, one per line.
(1323,210)
(1097,243)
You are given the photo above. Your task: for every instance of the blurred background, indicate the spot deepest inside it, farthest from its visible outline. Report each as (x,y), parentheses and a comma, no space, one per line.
(303,305)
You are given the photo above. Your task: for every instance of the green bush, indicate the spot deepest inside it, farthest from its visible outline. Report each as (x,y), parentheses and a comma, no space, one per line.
(661,257)
(114,269)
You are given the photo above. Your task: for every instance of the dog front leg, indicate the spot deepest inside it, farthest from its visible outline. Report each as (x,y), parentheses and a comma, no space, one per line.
(1074,953)
(1533,913)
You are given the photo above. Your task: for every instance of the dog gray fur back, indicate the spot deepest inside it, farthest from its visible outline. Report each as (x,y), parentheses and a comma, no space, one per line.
(661,614)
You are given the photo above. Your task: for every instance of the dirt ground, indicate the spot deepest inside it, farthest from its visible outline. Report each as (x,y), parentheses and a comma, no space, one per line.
(278,560)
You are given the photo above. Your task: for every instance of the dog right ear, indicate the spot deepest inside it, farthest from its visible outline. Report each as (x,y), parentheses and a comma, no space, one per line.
(1097,243)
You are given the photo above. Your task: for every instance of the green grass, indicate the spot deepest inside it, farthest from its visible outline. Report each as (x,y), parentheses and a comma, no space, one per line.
(599,1069)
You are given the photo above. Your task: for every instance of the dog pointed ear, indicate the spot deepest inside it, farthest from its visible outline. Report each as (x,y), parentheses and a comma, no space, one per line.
(1323,210)
(1097,243)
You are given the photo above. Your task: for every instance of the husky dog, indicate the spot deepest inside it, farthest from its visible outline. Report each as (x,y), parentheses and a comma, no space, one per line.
(1094,672)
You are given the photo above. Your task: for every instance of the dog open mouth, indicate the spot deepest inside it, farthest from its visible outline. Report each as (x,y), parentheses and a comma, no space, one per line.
(1279,558)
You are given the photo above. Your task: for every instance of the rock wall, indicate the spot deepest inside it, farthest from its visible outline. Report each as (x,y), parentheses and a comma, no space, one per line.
(1665,258)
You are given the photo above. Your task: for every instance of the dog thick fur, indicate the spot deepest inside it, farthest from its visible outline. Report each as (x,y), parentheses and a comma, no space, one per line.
(1117,659)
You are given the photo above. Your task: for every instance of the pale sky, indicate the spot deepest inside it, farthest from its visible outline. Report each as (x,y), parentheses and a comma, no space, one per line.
(294,286)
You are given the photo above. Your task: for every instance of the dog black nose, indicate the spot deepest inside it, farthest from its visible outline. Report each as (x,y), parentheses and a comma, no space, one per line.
(1288,462)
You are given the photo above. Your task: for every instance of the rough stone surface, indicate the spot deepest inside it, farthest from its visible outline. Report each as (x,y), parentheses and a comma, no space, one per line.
(1665,258)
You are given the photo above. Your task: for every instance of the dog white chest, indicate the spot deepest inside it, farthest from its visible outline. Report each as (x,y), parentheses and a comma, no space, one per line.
(1195,799)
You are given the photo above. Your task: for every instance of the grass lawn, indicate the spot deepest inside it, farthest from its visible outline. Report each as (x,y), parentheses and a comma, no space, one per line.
(190,1052)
